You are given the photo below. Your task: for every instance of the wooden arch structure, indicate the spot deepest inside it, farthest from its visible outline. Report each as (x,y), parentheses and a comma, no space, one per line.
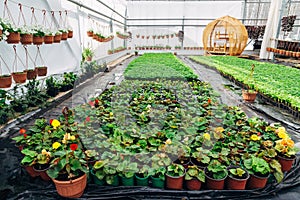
(226,35)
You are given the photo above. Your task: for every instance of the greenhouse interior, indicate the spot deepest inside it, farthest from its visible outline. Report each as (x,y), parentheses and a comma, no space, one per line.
(150,99)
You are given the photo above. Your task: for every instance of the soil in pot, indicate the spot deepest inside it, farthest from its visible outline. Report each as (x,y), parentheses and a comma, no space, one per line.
(198,164)
(157,182)
(257,181)
(5,81)
(193,184)
(174,183)
(286,163)
(213,184)
(183,161)
(141,180)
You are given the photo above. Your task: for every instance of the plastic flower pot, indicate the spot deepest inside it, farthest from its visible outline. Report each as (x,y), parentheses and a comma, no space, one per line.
(233,183)
(57,38)
(127,181)
(96,180)
(13,38)
(48,39)
(31,171)
(214,184)
(255,182)
(90,33)
(286,163)
(26,38)
(37,40)
(31,74)
(64,36)
(141,181)
(71,188)
(157,182)
(70,34)
(175,183)
(42,172)
(19,77)
(5,81)
(115,182)
(249,96)
(41,71)
(193,184)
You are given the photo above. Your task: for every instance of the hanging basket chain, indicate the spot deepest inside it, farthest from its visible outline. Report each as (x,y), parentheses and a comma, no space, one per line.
(6,65)
(17,57)
(38,54)
(21,14)
(33,20)
(10,16)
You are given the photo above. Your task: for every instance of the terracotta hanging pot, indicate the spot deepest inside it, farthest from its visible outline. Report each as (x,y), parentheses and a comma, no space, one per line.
(19,77)
(26,38)
(48,39)
(41,70)
(13,38)
(37,40)
(90,33)
(64,36)
(95,36)
(286,163)
(57,38)
(298,55)
(255,182)
(70,34)
(71,188)
(1,32)
(5,81)
(31,74)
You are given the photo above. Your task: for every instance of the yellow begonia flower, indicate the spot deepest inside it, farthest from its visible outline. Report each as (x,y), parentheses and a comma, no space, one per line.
(255,137)
(290,143)
(206,136)
(219,129)
(56,145)
(283,135)
(44,151)
(72,137)
(281,129)
(55,123)
(168,141)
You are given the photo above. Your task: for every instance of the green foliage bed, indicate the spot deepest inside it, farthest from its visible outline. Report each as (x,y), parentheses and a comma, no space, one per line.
(151,66)
(276,81)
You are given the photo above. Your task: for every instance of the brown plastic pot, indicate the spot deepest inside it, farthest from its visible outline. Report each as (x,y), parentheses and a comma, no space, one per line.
(57,38)
(233,183)
(31,171)
(41,71)
(70,34)
(42,173)
(26,38)
(19,77)
(249,96)
(193,184)
(5,81)
(64,36)
(37,40)
(175,183)
(90,33)
(255,182)
(286,163)
(48,39)
(71,188)
(13,38)
(214,184)
(31,74)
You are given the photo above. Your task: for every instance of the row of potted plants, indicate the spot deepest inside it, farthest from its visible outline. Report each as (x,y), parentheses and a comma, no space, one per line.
(284,52)
(98,36)
(123,35)
(279,84)
(37,35)
(116,50)
(157,36)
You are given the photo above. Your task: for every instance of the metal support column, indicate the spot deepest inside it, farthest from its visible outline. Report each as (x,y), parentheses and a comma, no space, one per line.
(112,41)
(125,28)
(182,28)
(244,11)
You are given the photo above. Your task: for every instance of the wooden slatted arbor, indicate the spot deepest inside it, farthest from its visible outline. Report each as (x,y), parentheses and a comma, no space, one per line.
(225,35)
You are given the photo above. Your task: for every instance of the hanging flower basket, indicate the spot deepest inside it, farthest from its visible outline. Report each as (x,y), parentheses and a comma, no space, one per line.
(41,70)
(249,96)
(37,40)
(64,36)
(48,39)
(71,188)
(57,38)
(70,34)
(26,38)
(13,38)
(19,77)
(90,33)
(5,81)
(31,74)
